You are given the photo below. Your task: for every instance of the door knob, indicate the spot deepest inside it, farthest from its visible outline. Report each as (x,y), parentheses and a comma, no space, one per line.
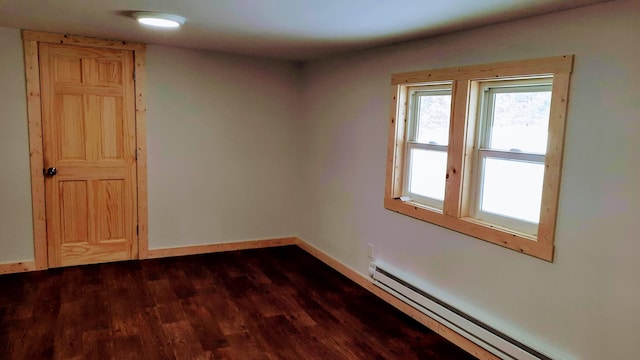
(51,171)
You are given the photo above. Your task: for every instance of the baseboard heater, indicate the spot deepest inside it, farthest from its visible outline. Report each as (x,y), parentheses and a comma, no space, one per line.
(485,336)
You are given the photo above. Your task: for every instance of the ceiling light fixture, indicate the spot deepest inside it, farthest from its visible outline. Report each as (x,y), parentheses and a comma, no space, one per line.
(159,19)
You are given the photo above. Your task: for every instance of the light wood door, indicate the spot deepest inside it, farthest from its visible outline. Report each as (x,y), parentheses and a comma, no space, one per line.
(88,122)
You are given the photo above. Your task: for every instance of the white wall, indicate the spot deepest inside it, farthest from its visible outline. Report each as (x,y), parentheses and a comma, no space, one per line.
(16,227)
(222,137)
(585,304)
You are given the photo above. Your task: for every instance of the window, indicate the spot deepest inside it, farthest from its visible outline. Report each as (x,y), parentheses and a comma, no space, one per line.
(427,143)
(478,149)
(509,165)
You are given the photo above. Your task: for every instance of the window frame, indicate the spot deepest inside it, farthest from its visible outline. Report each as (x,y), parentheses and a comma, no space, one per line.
(457,212)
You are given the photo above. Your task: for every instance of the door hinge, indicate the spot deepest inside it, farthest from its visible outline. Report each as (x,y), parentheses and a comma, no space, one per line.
(137,229)
(134,75)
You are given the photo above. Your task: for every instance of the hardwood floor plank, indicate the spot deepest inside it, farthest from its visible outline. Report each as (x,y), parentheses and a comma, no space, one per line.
(272,304)
(15,345)
(155,343)
(68,330)
(227,353)
(127,347)
(170,312)
(96,312)
(246,347)
(180,283)
(124,318)
(97,344)
(205,324)
(161,291)
(184,341)
(277,335)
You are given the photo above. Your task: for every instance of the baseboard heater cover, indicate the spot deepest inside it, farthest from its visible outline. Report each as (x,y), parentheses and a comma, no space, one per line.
(482,334)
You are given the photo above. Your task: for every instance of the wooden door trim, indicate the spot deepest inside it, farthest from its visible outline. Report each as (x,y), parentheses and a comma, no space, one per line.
(34,117)
(36,154)
(67,39)
(139,57)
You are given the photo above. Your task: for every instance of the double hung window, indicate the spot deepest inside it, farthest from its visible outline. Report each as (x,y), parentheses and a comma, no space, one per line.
(478,149)
(511,146)
(428,138)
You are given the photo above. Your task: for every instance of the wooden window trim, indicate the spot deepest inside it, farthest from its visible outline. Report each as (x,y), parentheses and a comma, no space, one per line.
(455,213)
(34,118)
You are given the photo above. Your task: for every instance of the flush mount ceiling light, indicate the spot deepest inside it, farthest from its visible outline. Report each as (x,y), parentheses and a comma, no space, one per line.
(158,19)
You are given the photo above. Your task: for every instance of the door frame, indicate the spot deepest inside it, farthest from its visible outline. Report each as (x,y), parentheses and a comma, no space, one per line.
(34,117)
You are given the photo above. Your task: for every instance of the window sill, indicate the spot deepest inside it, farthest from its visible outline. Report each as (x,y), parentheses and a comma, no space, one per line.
(523,243)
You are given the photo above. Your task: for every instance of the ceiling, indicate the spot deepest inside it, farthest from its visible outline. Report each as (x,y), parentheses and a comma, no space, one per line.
(284,29)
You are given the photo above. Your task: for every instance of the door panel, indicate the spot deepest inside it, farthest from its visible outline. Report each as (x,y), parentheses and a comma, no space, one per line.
(68,69)
(70,129)
(73,211)
(109,72)
(110,204)
(111,140)
(88,118)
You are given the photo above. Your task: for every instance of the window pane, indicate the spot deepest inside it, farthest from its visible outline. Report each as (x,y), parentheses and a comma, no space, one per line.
(512,189)
(427,176)
(434,112)
(521,121)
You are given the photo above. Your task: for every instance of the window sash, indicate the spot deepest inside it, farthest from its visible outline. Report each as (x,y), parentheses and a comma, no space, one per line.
(491,88)
(414,94)
(510,222)
(418,198)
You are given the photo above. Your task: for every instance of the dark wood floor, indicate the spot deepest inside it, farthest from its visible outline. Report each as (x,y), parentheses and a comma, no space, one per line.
(278,303)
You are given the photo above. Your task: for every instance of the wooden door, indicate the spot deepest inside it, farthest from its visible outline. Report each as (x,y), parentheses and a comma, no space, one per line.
(88,123)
